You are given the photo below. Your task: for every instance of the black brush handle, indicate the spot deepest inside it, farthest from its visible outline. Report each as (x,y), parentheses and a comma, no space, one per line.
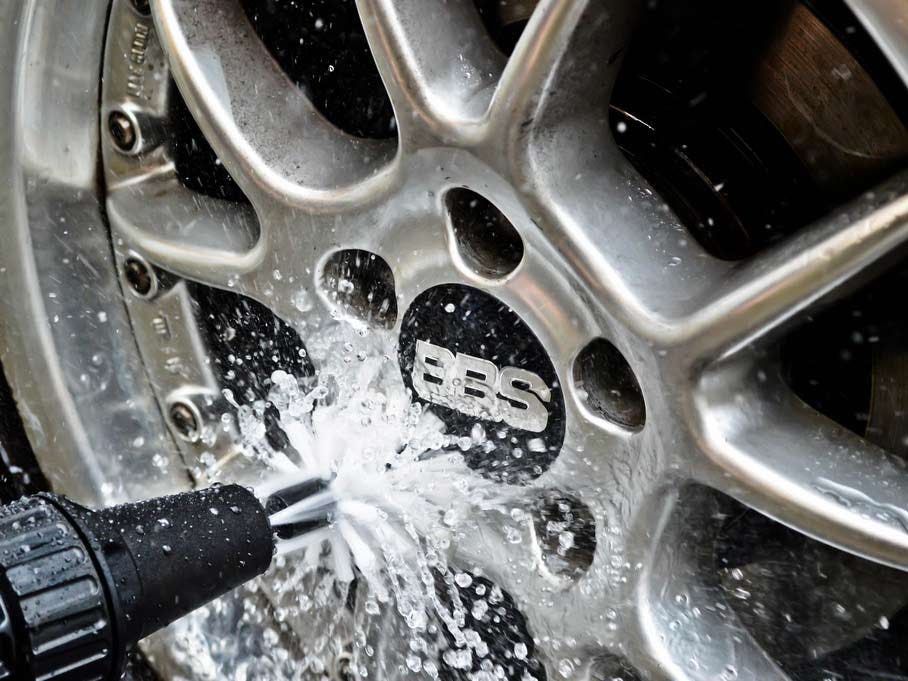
(78,587)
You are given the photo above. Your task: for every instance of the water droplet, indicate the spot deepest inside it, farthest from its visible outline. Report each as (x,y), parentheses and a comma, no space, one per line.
(302,301)
(566,668)
(414,663)
(565,541)
(463,580)
(536,444)
(479,610)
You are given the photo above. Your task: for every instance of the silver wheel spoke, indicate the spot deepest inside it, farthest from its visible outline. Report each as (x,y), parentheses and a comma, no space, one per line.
(622,484)
(295,244)
(780,456)
(563,66)
(778,285)
(587,614)
(440,84)
(269,135)
(515,568)
(586,211)
(184,232)
(551,114)
(688,630)
(218,243)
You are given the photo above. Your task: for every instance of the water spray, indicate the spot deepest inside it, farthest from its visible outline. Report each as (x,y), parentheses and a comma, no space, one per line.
(369,489)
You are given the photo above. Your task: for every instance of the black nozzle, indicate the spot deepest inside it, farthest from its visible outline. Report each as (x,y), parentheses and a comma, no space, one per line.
(79,587)
(171,555)
(288,496)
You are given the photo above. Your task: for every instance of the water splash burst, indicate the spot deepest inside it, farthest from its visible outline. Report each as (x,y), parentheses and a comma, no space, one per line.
(397,498)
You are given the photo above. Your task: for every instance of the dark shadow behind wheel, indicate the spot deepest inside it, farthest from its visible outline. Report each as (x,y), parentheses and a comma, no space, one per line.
(19,471)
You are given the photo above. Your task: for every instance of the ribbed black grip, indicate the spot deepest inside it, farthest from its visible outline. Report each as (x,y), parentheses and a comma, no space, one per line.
(53,594)
(78,587)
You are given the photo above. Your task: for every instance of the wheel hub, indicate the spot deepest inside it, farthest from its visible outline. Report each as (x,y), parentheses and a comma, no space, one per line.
(479,367)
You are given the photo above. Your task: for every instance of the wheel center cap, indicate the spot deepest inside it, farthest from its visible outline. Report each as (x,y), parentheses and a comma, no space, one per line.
(476,364)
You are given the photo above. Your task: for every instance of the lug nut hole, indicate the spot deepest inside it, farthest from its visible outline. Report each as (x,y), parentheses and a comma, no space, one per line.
(185,420)
(566,534)
(140,276)
(486,240)
(343,668)
(142,6)
(360,284)
(608,385)
(122,131)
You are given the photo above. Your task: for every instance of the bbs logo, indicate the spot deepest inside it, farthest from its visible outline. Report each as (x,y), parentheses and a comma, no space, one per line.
(477,387)
(470,358)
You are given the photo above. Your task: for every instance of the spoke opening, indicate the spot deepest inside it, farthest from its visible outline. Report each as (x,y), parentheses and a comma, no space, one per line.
(805,602)
(505,20)
(270,135)
(360,285)
(734,595)
(610,390)
(565,532)
(246,343)
(850,362)
(196,164)
(321,46)
(486,240)
(728,112)
(492,613)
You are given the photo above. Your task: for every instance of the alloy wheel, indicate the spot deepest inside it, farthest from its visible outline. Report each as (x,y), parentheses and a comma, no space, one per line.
(487,211)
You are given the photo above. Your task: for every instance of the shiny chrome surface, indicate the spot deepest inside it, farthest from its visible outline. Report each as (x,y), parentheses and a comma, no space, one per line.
(603,257)
(65,336)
